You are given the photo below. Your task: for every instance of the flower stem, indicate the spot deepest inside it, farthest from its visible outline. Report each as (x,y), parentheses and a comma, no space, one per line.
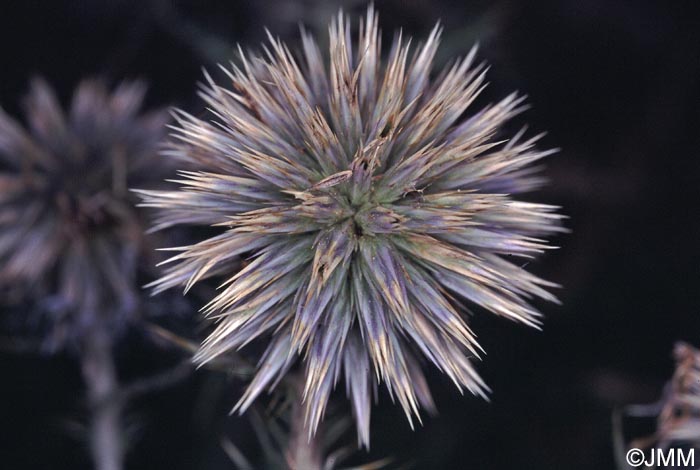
(303,450)
(105,406)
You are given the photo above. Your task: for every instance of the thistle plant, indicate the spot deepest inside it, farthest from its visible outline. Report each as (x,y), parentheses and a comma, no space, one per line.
(362,205)
(679,419)
(71,234)
(282,433)
(71,238)
(677,413)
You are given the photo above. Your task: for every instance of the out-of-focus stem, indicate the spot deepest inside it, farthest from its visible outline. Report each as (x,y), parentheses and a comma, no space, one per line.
(106,439)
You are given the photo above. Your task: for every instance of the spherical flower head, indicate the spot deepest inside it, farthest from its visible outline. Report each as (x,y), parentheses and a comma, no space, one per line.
(72,238)
(368,202)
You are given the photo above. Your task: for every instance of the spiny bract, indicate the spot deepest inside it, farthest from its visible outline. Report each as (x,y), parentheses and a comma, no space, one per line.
(367,205)
(71,237)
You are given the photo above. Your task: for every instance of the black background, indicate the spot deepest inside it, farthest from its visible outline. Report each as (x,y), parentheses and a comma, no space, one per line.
(616,84)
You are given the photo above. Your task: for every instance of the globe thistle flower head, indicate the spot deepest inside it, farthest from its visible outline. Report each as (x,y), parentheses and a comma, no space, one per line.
(677,412)
(71,234)
(369,202)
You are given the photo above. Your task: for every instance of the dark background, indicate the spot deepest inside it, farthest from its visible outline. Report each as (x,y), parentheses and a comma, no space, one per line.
(616,84)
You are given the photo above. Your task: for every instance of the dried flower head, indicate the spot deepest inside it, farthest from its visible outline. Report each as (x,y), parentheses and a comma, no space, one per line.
(367,204)
(679,419)
(677,413)
(71,236)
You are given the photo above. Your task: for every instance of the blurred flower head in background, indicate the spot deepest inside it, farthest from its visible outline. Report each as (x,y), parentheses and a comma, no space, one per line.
(367,202)
(679,419)
(72,241)
(677,413)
